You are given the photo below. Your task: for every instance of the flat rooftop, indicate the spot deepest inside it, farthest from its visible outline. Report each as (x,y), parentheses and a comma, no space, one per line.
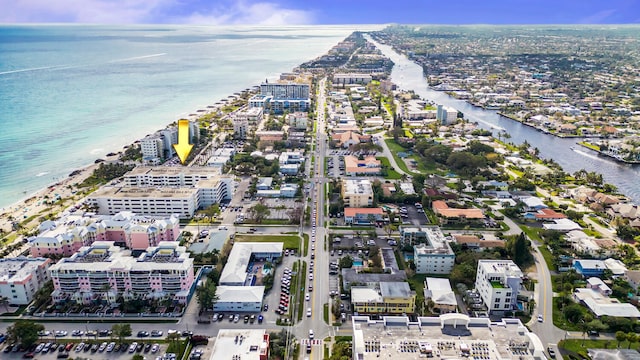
(360,186)
(450,336)
(143,192)
(245,343)
(172,170)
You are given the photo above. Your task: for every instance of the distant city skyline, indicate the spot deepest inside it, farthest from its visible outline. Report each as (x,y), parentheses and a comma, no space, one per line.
(295,12)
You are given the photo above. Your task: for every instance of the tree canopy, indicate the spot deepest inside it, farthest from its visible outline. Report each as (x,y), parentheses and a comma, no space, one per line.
(24,332)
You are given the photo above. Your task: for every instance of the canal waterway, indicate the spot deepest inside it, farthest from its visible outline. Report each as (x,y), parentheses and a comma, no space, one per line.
(572,157)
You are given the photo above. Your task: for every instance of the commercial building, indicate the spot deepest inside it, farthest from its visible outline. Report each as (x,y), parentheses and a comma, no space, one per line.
(106,272)
(352,276)
(243,253)
(237,290)
(431,251)
(68,234)
(498,283)
(385,298)
(449,336)
(357,193)
(362,216)
(240,299)
(241,344)
(455,215)
(285,191)
(21,278)
(446,115)
(291,157)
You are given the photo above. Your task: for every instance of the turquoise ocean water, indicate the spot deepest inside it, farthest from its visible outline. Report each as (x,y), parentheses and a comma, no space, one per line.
(71,94)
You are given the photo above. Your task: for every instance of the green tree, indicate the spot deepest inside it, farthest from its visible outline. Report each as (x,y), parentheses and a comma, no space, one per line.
(121,331)
(206,295)
(24,332)
(346,262)
(631,338)
(137,357)
(518,249)
(259,212)
(620,337)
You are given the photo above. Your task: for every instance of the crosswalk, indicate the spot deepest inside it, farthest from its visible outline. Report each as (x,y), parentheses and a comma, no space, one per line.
(314,342)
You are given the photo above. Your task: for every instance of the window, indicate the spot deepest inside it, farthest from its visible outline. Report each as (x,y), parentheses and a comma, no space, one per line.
(507,306)
(496,306)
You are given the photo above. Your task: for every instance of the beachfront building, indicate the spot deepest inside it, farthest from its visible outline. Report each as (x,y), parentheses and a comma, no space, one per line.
(152,149)
(431,252)
(103,272)
(498,283)
(384,298)
(164,191)
(280,97)
(357,193)
(21,278)
(68,234)
(167,176)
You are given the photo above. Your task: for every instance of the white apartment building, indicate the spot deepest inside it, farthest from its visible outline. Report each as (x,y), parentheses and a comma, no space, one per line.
(285,90)
(21,278)
(498,283)
(351,78)
(431,251)
(241,127)
(110,200)
(446,115)
(106,272)
(165,176)
(298,120)
(251,115)
(152,149)
(357,193)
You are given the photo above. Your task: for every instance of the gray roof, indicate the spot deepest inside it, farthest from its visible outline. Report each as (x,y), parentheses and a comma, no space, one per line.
(395,289)
(350,276)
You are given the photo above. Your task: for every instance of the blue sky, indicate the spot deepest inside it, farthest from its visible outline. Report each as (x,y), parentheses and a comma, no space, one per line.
(282,12)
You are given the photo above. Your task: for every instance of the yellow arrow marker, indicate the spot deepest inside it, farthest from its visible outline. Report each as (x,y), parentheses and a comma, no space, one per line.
(183,148)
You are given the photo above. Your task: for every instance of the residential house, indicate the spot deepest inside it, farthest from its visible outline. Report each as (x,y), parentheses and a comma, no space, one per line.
(475,243)
(439,291)
(589,268)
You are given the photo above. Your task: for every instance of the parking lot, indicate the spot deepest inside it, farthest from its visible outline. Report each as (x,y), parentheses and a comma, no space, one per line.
(94,349)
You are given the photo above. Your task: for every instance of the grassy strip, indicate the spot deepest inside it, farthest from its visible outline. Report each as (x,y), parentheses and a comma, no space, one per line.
(306,244)
(325,313)
(580,346)
(589,145)
(290,241)
(302,276)
(548,257)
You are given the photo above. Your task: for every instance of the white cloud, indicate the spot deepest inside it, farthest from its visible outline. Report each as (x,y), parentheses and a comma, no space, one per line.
(150,11)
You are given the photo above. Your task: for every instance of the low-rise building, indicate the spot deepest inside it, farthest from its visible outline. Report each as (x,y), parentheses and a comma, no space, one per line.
(589,268)
(269,136)
(357,193)
(242,253)
(298,120)
(21,278)
(245,344)
(439,291)
(601,304)
(351,78)
(385,298)
(240,299)
(289,169)
(498,283)
(285,191)
(355,216)
(103,271)
(431,251)
(367,166)
(455,215)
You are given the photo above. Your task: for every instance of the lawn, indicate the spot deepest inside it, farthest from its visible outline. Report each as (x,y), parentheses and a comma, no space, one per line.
(532,233)
(395,148)
(391,173)
(290,241)
(416,283)
(306,244)
(576,345)
(589,145)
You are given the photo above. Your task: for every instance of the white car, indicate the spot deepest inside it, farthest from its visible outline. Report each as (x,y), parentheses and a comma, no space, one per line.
(310,276)
(307,297)
(308,312)
(311,334)
(540,318)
